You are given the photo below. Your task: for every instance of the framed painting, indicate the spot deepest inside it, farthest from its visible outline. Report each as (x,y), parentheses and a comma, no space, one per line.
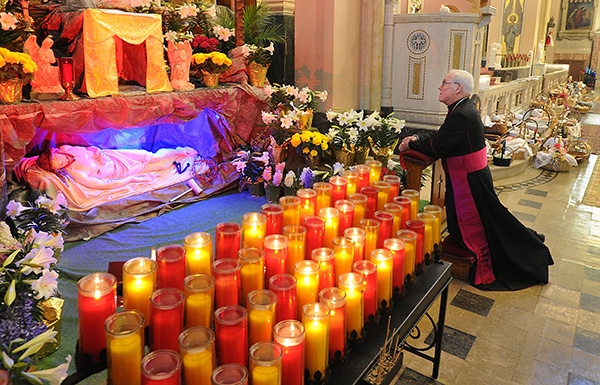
(577,18)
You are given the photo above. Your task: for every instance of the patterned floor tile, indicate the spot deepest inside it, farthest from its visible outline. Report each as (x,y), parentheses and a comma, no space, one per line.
(528,203)
(591,274)
(587,341)
(454,342)
(410,377)
(589,303)
(539,193)
(473,302)
(576,380)
(525,217)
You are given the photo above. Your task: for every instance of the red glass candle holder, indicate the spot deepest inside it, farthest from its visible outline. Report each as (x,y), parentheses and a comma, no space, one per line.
(386,225)
(368,271)
(325,257)
(284,286)
(346,209)
(315,233)
(371,193)
(357,235)
(363,176)
(395,182)
(308,202)
(228,288)
(406,204)
(274,214)
(339,186)
(166,318)
(172,267)
(418,227)
(230,374)
(289,334)
(276,255)
(161,367)
(396,210)
(335,299)
(231,330)
(67,77)
(228,238)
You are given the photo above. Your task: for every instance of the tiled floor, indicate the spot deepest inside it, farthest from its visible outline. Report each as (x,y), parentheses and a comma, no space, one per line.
(543,335)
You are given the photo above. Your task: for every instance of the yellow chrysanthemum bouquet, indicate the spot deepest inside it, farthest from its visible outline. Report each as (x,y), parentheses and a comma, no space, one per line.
(16,65)
(213,62)
(310,143)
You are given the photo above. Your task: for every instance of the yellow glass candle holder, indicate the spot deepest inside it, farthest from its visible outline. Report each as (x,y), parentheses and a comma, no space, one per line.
(199,292)
(252,271)
(353,286)
(261,306)
(307,282)
(371,228)
(296,245)
(383,193)
(315,318)
(374,170)
(344,255)
(139,282)
(437,211)
(383,259)
(331,216)
(415,198)
(358,236)
(410,247)
(308,202)
(324,191)
(360,207)
(291,210)
(429,221)
(254,229)
(124,347)
(352,177)
(198,252)
(265,363)
(197,350)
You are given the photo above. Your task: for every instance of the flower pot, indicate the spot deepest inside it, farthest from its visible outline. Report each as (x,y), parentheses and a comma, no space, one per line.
(256,189)
(361,154)
(273,193)
(278,152)
(210,80)
(52,315)
(305,119)
(383,154)
(289,191)
(258,74)
(312,161)
(344,156)
(11,91)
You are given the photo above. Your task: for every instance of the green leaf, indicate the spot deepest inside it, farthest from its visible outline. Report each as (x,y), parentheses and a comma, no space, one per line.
(11,293)
(7,361)
(10,258)
(32,379)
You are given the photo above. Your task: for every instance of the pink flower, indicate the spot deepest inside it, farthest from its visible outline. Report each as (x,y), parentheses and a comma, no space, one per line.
(267,174)
(8,21)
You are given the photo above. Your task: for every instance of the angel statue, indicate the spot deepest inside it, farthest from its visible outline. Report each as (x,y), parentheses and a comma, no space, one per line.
(47,78)
(180,57)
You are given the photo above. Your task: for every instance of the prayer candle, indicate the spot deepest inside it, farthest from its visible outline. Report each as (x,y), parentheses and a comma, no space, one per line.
(231,330)
(352,177)
(197,350)
(254,229)
(360,207)
(410,246)
(265,363)
(394,181)
(331,216)
(315,233)
(353,286)
(371,228)
(335,299)
(368,271)
(261,315)
(289,335)
(386,224)
(308,202)
(171,266)
(198,252)
(344,255)
(406,204)
(371,193)
(437,229)
(252,271)
(363,176)
(276,254)
(415,199)
(315,318)
(428,220)
(374,170)
(358,236)
(323,190)
(166,318)
(383,193)
(339,188)
(396,246)
(274,214)
(307,283)
(230,374)
(291,210)
(96,300)
(139,282)
(325,257)
(161,367)
(383,259)
(418,227)
(227,281)
(284,286)
(296,245)
(199,292)
(67,73)
(396,210)
(124,347)
(228,237)
(346,209)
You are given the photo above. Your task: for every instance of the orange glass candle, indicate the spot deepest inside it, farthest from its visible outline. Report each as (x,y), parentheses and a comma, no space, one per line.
(124,347)
(291,210)
(406,204)
(197,350)
(374,170)
(307,282)
(410,246)
(199,292)
(252,271)
(437,227)
(396,210)
(254,229)
(274,214)
(284,286)
(331,216)
(358,236)
(335,299)
(415,198)
(276,255)
(228,238)
(315,233)
(324,195)
(371,193)
(139,282)
(166,318)
(344,255)
(396,246)
(352,177)
(371,228)
(363,176)
(261,315)
(386,224)
(265,363)
(289,335)
(368,270)
(346,209)
(198,252)
(339,188)
(296,245)
(395,182)
(383,259)
(231,331)
(325,257)
(418,227)
(428,220)
(383,193)
(227,281)
(315,318)
(360,207)
(308,202)
(171,266)
(353,286)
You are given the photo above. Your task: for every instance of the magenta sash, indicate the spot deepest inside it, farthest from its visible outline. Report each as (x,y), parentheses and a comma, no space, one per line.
(469,221)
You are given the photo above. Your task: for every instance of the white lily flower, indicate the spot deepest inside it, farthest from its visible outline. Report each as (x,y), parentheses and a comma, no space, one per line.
(39,258)
(46,285)
(14,209)
(54,376)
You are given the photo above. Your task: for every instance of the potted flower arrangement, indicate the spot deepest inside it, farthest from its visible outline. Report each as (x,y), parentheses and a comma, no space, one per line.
(310,144)
(303,101)
(291,184)
(383,135)
(30,245)
(348,132)
(258,59)
(251,162)
(210,65)
(16,70)
(273,178)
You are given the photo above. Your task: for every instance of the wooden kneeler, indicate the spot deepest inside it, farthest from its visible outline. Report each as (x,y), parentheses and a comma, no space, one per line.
(462,259)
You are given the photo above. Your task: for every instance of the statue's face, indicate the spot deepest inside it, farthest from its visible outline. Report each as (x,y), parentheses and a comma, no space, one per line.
(59,159)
